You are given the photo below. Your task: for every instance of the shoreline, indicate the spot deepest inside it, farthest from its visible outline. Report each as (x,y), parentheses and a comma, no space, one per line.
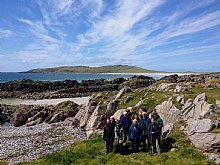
(154,73)
(77,100)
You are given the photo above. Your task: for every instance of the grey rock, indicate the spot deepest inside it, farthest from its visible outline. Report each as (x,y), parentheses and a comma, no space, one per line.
(173,150)
(214,157)
(168,112)
(54,119)
(163,87)
(199,126)
(199,108)
(180,99)
(85,112)
(121,92)
(209,142)
(179,88)
(71,121)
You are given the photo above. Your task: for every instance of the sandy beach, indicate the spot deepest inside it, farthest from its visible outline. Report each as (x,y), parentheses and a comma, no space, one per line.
(78,100)
(156,73)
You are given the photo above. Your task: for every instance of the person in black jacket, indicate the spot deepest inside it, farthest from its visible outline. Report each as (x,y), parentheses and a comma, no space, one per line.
(153,133)
(108,136)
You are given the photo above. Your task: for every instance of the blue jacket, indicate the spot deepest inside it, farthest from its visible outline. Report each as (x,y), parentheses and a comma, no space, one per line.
(134,133)
(126,123)
(144,123)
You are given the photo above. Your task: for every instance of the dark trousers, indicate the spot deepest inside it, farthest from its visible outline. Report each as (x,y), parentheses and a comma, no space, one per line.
(125,135)
(109,145)
(153,143)
(119,148)
(143,140)
(135,146)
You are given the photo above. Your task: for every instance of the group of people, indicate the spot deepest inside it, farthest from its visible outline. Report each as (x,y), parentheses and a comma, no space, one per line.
(145,129)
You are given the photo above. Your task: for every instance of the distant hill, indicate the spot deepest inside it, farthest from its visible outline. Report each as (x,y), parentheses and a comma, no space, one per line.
(87,69)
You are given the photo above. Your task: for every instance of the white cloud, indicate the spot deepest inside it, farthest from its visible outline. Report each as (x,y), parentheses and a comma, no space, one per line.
(4,33)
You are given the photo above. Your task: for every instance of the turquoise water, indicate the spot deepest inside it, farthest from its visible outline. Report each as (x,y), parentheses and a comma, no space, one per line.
(11,76)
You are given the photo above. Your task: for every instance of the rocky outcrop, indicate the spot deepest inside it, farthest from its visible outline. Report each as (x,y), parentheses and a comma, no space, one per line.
(92,117)
(29,89)
(85,112)
(199,108)
(168,112)
(138,82)
(197,78)
(31,115)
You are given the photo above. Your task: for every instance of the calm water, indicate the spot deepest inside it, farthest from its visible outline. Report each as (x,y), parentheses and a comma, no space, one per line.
(6,76)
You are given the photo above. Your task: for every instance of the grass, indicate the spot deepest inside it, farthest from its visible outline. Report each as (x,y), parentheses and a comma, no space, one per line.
(91,152)
(3,163)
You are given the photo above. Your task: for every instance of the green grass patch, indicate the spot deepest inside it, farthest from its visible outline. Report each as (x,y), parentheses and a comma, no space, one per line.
(92,152)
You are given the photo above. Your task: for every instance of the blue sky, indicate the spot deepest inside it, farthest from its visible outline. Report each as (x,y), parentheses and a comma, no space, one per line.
(167,35)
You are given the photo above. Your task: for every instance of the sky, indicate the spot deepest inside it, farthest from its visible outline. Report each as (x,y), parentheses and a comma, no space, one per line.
(166,35)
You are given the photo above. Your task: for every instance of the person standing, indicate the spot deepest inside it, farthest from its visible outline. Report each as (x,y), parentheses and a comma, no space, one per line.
(125,123)
(154,133)
(108,136)
(119,138)
(144,123)
(134,136)
(159,123)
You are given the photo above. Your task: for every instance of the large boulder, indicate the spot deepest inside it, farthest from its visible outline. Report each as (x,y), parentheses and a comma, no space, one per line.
(168,112)
(20,117)
(199,126)
(209,142)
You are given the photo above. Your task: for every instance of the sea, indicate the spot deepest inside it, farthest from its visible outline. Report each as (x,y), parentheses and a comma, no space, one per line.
(12,76)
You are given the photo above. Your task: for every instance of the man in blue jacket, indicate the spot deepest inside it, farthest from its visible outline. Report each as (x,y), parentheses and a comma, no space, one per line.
(125,123)
(134,136)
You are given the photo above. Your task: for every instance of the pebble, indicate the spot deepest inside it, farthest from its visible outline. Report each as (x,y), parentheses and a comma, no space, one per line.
(24,144)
